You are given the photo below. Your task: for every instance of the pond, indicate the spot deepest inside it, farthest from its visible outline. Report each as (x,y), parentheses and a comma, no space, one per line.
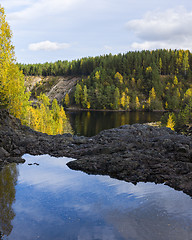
(90,123)
(43,199)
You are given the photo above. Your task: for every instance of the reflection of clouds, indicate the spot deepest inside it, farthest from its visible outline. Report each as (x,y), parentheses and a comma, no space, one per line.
(149,222)
(164,197)
(36,212)
(51,174)
(104,233)
(139,191)
(95,207)
(35,220)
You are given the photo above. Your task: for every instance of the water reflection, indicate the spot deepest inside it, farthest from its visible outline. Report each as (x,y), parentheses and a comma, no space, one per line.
(91,123)
(54,202)
(8,179)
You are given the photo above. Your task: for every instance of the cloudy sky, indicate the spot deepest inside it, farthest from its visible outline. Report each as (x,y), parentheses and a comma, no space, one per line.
(51,30)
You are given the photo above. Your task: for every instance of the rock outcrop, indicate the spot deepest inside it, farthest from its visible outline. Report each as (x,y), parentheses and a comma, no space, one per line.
(52,86)
(132,152)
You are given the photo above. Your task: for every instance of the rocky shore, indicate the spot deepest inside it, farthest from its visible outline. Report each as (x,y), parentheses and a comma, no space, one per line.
(132,153)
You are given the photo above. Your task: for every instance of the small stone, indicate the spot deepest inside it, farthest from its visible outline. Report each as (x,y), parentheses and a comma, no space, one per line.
(3,153)
(15,160)
(16,152)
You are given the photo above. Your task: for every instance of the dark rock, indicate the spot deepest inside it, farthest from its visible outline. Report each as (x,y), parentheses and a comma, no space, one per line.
(3,153)
(16,152)
(132,152)
(15,160)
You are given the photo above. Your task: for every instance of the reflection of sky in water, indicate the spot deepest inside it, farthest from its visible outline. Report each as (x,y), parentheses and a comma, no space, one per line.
(54,202)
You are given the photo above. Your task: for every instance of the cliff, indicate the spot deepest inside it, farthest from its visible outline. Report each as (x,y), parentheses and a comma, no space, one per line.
(53,87)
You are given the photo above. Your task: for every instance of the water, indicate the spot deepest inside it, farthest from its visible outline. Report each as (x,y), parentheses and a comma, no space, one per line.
(51,202)
(92,122)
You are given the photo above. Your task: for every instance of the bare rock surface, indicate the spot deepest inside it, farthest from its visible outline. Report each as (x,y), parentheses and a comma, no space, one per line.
(132,153)
(53,87)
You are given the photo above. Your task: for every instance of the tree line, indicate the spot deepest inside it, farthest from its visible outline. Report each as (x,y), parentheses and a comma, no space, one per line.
(141,80)
(134,63)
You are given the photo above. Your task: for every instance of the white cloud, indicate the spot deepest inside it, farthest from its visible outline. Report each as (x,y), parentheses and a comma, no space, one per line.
(42,8)
(48,46)
(168,29)
(186,45)
(15,3)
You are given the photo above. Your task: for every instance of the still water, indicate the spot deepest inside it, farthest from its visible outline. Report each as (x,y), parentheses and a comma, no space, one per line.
(92,122)
(51,202)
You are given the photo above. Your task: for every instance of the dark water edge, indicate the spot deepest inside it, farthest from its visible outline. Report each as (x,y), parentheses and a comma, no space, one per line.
(51,202)
(90,123)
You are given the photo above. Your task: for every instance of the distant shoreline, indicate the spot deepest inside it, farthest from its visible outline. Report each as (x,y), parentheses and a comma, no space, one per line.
(109,110)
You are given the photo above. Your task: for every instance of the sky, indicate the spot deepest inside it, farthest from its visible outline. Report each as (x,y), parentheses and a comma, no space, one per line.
(51,30)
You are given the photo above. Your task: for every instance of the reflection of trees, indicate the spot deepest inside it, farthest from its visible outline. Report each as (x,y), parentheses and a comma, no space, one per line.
(8,179)
(67,128)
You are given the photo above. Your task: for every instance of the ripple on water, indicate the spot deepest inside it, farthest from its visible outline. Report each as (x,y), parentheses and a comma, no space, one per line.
(55,202)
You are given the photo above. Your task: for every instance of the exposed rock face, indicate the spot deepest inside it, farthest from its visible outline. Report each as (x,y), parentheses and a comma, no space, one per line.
(64,85)
(53,87)
(132,152)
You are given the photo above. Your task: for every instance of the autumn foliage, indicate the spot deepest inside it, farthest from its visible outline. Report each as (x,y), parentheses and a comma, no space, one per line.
(44,116)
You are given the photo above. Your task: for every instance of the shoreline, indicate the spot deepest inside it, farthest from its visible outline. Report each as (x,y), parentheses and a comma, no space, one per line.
(110,110)
(133,153)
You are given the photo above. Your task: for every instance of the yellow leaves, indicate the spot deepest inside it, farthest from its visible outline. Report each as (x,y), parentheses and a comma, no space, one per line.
(166,105)
(137,103)
(41,118)
(127,102)
(168,86)
(148,69)
(122,100)
(188,93)
(88,105)
(97,75)
(67,101)
(11,79)
(42,98)
(178,93)
(179,58)
(81,63)
(170,122)
(48,120)
(185,61)
(78,93)
(175,81)
(149,101)
(6,48)
(119,77)
(152,94)
(133,82)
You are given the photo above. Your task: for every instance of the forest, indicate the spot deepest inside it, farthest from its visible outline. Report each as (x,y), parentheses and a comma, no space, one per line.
(146,80)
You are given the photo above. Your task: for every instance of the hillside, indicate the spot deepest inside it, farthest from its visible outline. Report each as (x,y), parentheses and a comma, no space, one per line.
(147,80)
(52,86)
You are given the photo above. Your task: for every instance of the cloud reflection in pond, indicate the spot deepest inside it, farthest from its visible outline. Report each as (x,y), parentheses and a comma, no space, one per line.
(55,202)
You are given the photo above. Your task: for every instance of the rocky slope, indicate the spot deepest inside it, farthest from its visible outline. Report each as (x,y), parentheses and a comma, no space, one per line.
(53,87)
(132,152)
